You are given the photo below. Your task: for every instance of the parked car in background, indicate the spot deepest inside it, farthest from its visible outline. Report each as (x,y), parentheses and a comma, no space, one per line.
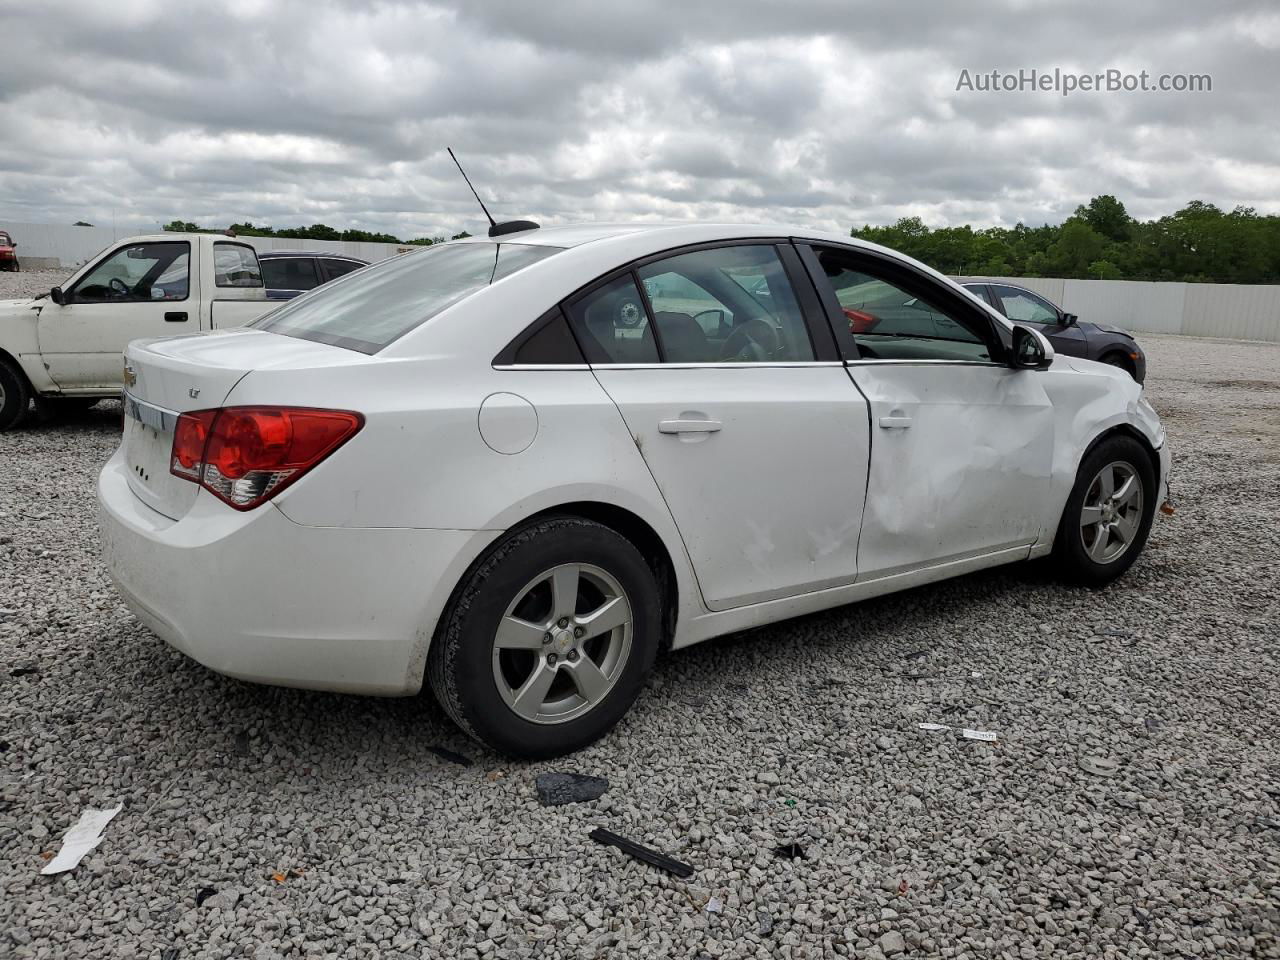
(288,273)
(64,349)
(8,252)
(475,466)
(1067,333)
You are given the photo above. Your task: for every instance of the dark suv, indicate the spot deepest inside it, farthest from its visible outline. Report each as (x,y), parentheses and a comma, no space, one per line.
(288,273)
(1067,333)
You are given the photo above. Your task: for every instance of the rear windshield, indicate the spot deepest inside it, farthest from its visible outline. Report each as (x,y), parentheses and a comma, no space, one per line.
(369,309)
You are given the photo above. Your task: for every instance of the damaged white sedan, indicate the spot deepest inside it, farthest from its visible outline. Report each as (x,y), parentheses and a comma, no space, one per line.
(518,467)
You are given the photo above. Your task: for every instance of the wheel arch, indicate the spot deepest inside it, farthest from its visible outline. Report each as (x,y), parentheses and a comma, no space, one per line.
(1120,354)
(642,535)
(1126,430)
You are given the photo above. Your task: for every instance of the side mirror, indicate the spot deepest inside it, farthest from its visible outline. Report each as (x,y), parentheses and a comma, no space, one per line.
(1031,351)
(57,296)
(1070,319)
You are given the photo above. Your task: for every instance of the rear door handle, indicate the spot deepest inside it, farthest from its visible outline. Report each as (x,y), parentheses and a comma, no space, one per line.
(175,317)
(689,426)
(895,423)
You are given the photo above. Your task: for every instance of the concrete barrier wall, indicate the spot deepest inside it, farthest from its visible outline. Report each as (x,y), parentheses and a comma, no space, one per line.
(1233,311)
(58,245)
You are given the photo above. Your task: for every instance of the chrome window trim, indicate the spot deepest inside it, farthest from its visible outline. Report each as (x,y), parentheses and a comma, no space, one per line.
(949,363)
(148,414)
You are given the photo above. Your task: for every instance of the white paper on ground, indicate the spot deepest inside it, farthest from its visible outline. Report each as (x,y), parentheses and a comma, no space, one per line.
(714,905)
(982,735)
(80,839)
(933,726)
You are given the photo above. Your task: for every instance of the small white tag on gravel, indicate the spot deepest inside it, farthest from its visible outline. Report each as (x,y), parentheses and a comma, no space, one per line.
(80,839)
(715,906)
(933,726)
(983,735)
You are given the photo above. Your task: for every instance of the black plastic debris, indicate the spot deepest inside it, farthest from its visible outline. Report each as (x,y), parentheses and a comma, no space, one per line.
(170,953)
(4,746)
(444,753)
(203,894)
(556,789)
(24,671)
(765,920)
(642,853)
(916,654)
(791,851)
(240,744)
(1152,724)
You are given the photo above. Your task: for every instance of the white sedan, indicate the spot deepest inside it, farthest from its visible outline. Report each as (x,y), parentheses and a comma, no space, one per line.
(518,467)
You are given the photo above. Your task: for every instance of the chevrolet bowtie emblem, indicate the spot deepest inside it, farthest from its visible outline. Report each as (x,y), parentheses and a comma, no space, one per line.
(193,393)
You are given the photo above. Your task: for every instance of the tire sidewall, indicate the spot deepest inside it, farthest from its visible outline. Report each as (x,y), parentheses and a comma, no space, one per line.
(1071,550)
(474,623)
(16,397)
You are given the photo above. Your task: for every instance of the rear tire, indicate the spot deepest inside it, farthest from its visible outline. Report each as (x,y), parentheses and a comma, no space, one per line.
(15,397)
(1108,515)
(503,682)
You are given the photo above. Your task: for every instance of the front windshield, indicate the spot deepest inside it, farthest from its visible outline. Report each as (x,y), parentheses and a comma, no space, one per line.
(370,308)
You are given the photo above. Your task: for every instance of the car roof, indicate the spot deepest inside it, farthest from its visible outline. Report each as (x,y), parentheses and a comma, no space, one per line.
(269,254)
(662,233)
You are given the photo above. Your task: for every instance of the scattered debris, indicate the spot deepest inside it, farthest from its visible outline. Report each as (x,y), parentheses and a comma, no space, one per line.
(1153,723)
(170,953)
(240,744)
(976,674)
(1168,509)
(80,839)
(4,746)
(952,708)
(765,919)
(203,894)
(903,887)
(652,857)
(933,726)
(790,801)
(792,851)
(493,776)
(984,735)
(556,789)
(1099,766)
(444,753)
(293,873)
(714,905)
(24,671)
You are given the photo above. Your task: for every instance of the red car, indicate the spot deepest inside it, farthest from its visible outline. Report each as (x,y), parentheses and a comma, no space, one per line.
(8,252)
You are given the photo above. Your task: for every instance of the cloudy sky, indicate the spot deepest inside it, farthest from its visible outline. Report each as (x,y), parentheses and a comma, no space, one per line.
(828,112)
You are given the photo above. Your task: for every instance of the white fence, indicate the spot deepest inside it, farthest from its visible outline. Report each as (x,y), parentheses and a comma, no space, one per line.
(1234,311)
(1237,311)
(56,245)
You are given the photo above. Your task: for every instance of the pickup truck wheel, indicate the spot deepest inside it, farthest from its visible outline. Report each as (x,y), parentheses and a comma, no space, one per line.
(15,397)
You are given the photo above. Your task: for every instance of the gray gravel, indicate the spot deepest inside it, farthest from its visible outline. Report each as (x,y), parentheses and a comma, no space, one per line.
(310,824)
(30,283)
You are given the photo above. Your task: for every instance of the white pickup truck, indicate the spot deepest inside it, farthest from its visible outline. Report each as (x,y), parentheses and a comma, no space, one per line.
(64,348)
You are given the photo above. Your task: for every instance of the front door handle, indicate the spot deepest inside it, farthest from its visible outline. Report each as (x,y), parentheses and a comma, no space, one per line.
(895,423)
(689,426)
(175,317)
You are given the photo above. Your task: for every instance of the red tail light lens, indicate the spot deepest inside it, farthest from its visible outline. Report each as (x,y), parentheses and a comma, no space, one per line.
(246,455)
(860,322)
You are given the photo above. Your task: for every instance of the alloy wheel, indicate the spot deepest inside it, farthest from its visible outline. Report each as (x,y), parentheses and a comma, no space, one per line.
(1112,512)
(563,643)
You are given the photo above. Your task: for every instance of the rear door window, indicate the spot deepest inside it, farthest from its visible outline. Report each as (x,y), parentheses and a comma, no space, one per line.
(381,303)
(339,268)
(235,265)
(290,273)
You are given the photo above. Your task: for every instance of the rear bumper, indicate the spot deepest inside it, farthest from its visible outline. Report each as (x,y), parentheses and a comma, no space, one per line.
(261,598)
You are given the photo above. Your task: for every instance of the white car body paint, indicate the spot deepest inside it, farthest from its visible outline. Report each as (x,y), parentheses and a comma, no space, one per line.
(75,349)
(339,581)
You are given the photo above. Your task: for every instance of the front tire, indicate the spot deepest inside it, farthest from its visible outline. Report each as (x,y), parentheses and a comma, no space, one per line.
(549,639)
(1108,516)
(15,397)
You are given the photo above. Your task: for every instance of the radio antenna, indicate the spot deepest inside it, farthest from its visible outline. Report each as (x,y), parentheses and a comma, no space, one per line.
(495,229)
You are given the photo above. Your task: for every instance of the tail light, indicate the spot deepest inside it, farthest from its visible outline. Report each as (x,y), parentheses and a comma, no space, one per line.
(246,455)
(860,322)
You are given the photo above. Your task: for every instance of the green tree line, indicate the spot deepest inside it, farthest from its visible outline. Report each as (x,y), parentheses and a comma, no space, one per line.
(1100,241)
(319,231)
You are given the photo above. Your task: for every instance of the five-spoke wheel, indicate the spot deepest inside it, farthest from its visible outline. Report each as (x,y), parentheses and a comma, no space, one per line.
(549,638)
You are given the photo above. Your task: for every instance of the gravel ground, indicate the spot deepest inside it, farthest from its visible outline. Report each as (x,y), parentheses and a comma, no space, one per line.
(29,283)
(914,843)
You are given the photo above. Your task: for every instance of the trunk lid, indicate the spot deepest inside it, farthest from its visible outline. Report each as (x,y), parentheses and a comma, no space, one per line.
(175,375)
